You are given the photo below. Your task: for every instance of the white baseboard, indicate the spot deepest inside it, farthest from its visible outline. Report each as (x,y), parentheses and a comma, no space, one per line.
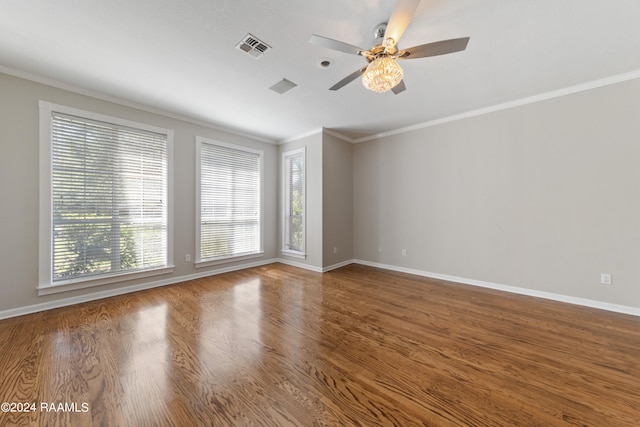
(338,265)
(299,265)
(512,289)
(50,305)
(313,267)
(5,314)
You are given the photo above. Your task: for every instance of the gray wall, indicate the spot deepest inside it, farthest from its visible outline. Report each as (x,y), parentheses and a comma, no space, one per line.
(19,172)
(544,196)
(337,200)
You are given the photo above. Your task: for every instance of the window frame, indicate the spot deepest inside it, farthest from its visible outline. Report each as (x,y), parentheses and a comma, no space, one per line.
(286,203)
(46,285)
(259,253)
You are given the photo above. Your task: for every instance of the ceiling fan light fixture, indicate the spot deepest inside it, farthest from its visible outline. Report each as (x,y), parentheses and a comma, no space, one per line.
(382,74)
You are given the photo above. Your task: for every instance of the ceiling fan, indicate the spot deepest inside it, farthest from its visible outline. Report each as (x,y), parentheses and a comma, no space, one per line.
(383,73)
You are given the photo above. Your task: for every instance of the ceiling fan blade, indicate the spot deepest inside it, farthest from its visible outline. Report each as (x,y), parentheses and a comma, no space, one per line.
(400,87)
(351,77)
(335,45)
(434,49)
(400,18)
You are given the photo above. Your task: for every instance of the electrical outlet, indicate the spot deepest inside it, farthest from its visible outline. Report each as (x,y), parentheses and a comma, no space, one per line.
(404,252)
(187,258)
(335,249)
(605,278)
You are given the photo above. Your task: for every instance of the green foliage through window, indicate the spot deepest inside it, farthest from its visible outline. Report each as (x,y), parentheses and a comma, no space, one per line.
(294,164)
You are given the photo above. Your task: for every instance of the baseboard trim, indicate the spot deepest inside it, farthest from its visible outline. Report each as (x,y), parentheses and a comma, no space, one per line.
(299,265)
(338,265)
(314,268)
(50,305)
(512,289)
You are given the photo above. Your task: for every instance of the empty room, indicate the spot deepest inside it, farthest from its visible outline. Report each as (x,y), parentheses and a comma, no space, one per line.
(331,213)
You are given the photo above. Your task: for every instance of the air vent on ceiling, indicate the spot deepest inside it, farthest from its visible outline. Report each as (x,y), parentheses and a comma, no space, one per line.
(282,86)
(253,46)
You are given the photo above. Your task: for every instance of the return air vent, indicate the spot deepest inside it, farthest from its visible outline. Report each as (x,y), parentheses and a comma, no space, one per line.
(282,86)
(253,46)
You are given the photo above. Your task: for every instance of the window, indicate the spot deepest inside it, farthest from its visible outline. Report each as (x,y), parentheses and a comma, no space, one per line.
(293,165)
(229,202)
(105,198)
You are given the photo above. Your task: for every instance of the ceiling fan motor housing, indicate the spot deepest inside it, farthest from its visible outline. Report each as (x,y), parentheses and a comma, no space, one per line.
(378,33)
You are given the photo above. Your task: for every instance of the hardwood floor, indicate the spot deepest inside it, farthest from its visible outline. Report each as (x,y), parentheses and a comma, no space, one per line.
(280,346)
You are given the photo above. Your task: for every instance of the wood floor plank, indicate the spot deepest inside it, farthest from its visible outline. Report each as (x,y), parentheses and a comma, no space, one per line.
(280,346)
(19,375)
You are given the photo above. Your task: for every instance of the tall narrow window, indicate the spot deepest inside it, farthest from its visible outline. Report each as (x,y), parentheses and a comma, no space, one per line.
(293,164)
(229,191)
(108,196)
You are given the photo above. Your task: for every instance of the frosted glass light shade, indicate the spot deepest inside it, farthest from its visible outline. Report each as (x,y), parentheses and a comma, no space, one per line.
(382,74)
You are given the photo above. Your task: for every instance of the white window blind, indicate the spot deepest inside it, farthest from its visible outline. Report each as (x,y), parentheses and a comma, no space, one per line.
(294,201)
(108,198)
(230,201)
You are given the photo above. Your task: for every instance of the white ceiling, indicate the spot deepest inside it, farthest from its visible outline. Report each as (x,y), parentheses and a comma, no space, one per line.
(179,56)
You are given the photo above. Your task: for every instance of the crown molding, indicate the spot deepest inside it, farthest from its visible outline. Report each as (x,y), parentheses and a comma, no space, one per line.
(126,103)
(338,135)
(619,78)
(299,136)
(328,131)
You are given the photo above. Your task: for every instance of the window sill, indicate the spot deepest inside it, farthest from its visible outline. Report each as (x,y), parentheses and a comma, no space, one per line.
(227,259)
(294,254)
(83,283)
